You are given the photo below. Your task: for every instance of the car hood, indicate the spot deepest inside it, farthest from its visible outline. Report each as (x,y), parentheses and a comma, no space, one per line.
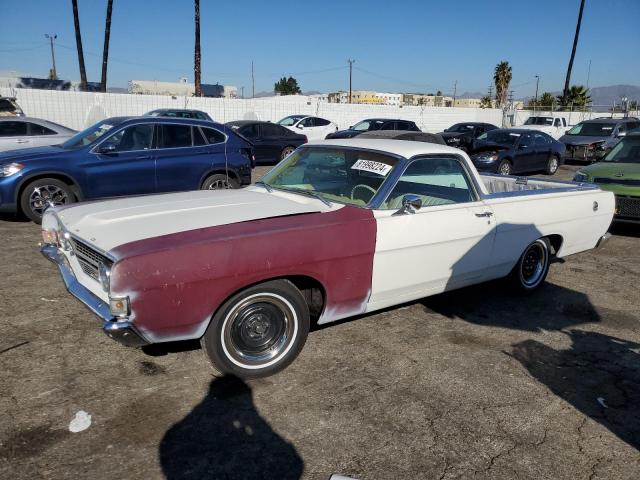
(345,134)
(27,154)
(581,139)
(615,170)
(490,147)
(446,135)
(110,223)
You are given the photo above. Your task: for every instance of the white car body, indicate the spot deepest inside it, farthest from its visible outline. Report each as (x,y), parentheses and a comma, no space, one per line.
(551,125)
(32,132)
(315,128)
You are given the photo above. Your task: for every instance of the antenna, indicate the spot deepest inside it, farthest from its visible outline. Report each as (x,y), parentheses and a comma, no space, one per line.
(226,160)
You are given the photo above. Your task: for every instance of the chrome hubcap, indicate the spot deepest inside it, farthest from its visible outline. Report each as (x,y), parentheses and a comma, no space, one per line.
(533,264)
(505,169)
(218,185)
(553,165)
(46,196)
(286,152)
(258,330)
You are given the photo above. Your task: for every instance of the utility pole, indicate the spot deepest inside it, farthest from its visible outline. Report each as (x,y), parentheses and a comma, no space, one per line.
(253,82)
(565,92)
(510,99)
(350,74)
(455,90)
(51,38)
(242,90)
(535,103)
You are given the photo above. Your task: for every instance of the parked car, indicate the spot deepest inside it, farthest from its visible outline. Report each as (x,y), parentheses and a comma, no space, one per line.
(314,128)
(590,140)
(404,135)
(463,135)
(124,156)
(24,132)
(619,172)
(271,142)
(552,125)
(515,150)
(339,228)
(10,108)
(374,124)
(179,113)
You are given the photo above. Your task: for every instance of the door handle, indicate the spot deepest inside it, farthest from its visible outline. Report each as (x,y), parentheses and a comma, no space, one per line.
(143,157)
(22,141)
(484,214)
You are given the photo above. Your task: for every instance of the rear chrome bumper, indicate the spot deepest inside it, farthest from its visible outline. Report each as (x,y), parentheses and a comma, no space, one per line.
(121,331)
(603,239)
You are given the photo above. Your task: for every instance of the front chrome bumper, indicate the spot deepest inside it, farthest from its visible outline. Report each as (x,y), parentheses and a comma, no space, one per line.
(121,331)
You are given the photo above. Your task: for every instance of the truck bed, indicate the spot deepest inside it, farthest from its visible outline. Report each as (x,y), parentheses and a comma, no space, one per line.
(500,185)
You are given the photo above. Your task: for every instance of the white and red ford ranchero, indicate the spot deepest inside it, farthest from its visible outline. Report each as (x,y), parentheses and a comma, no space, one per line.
(338,228)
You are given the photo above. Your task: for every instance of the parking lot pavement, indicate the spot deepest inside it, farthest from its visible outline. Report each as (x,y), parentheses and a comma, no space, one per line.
(472,383)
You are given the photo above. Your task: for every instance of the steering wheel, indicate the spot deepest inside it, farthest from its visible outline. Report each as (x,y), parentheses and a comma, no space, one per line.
(366,187)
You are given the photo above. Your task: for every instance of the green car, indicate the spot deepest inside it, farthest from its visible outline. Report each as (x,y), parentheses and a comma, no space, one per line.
(619,172)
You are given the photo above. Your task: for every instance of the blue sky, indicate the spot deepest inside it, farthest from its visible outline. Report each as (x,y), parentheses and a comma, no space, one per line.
(398,46)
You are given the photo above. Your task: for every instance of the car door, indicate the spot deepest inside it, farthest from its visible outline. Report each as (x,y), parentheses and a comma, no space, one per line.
(543,145)
(525,155)
(275,138)
(307,127)
(253,133)
(13,135)
(324,127)
(445,244)
(122,164)
(182,157)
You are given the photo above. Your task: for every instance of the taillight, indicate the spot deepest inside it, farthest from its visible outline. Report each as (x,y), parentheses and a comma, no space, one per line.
(248,152)
(305,139)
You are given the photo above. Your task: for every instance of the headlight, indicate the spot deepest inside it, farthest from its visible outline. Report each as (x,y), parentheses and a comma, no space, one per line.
(49,237)
(104,275)
(487,158)
(10,169)
(580,177)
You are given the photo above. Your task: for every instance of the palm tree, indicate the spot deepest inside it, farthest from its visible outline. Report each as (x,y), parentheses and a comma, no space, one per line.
(105,51)
(502,79)
(76,23)
(196,57)
(565,92)
(577,96)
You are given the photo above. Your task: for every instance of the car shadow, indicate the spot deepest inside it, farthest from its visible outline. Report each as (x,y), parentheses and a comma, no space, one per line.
(599,375)
(625,229)
(225,437)
(13,218)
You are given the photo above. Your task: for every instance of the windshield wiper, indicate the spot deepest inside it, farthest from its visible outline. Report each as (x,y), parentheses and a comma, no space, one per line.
(308,193)
(265,185)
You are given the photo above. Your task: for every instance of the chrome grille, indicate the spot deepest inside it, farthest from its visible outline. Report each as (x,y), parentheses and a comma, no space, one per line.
(88,258)
(628,206)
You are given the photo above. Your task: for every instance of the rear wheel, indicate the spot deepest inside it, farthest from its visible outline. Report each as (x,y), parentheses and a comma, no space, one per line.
(504,168)
(286,151)
(532,267)
(219,181)
(42,194)
(552,165)
(258,331)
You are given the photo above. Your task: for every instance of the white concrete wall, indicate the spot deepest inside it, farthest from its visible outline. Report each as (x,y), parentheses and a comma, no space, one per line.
(78,110)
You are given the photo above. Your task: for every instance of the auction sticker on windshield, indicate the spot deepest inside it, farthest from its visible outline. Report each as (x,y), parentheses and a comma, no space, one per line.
(371,166)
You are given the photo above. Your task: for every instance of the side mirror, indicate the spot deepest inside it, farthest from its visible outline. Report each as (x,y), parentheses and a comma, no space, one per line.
(523,146)
(621,134)
(107,149)
(300,126)
(350,127)
(410,204)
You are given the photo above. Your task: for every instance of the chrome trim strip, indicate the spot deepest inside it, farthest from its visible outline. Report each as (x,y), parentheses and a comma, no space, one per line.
(603,239)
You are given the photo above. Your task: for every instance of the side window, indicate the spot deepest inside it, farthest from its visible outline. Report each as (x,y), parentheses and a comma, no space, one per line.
(174,136)
(308,122)
(135,137)
(13,129)
(198,137)
(525,141)
(556,122)
(403,126)
(321,122)
(272,130)
(213,136)
(35,129)
(541,139)
(250,131)
(622,128)
(201,116)
(389,126)
(441,181)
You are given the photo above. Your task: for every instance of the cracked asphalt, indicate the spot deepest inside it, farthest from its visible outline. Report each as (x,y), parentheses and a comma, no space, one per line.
(476,383)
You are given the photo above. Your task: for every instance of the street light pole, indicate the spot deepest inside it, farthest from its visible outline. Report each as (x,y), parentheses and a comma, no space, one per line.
(51,38)
(350,71)
(535,102)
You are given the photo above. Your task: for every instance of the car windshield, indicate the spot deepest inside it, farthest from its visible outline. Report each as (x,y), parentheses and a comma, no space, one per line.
(500,137)
(343,175)
(367,125)
(290,120)
(460,128)
(627,151)
(592,129)
(539,121)
(87,137)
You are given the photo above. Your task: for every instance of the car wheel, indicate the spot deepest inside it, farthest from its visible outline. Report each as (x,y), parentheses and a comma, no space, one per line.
(219,181)
(532,267)
(286,151)
(42,194)
(552,165)
(258,331)
(504,168)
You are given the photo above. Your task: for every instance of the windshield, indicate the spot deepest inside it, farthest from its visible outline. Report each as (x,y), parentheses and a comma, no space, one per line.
(290,120)
(592,129)
(87,137)
(460,127)
(368,125)
(500,137)
(627,151)
(342,175)
(539,121)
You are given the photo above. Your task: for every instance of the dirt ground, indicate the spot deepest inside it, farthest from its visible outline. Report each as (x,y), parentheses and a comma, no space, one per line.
(476,383)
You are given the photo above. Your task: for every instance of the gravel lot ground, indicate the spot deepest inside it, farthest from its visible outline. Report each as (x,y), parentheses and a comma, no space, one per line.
(473,383)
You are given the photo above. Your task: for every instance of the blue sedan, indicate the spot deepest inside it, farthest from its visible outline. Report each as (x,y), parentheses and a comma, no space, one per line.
(124,156)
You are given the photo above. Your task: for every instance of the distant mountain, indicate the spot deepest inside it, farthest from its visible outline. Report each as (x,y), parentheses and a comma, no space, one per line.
(470,95)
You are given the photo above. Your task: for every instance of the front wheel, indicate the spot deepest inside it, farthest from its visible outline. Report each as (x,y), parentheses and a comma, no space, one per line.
(504,168)
(42,194)
(259,331)
(286,151)
(552,165)
(532,267)
(219,181)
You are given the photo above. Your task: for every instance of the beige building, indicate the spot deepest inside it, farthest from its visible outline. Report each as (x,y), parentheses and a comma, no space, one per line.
(426,100)
(365,97)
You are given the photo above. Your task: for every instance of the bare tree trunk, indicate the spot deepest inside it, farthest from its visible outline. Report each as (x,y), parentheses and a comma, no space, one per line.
(105,51)
(196,56)
(565,92)
(76,24)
